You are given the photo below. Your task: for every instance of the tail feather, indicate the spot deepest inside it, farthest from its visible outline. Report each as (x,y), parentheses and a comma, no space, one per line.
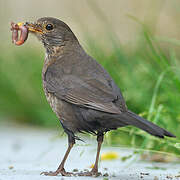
(137,121)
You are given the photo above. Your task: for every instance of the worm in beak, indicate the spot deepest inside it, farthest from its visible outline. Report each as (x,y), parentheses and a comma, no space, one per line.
(24,33)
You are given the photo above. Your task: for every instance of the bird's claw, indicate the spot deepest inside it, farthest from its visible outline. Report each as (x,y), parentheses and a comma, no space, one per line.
(89,173)
(62,172)
(50,173)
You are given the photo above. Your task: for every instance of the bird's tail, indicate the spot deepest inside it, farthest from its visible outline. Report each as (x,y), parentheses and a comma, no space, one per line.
(137,121)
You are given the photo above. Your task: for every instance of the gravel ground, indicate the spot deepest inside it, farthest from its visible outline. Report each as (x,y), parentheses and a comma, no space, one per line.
(25,152)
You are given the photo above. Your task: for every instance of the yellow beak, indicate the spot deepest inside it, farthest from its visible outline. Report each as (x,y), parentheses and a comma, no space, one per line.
(31,27)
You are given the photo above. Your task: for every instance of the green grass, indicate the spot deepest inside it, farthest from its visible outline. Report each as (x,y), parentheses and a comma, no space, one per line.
(21,93)
(150,80)
(148,76)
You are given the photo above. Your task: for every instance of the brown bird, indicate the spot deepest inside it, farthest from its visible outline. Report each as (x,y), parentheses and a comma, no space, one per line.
(80,91)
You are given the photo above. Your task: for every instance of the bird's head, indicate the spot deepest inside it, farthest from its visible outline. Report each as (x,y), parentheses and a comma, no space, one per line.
(52,32)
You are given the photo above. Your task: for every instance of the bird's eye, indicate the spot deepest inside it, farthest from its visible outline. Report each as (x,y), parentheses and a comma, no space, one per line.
(49,27)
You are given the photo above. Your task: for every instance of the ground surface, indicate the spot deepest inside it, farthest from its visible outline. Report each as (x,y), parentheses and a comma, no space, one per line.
(25,152)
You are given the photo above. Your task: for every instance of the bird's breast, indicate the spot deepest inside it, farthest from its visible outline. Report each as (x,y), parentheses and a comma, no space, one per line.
(52,100)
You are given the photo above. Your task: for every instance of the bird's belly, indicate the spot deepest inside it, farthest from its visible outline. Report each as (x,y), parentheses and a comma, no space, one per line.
(52,100)
(55,103)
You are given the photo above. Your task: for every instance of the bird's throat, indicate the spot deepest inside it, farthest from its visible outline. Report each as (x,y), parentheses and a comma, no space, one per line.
(55,51)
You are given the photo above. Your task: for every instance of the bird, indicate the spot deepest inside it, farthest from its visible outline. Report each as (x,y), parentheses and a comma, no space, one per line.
(81,92)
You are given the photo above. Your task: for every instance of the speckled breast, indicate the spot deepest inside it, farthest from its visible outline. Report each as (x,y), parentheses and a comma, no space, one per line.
(52,100)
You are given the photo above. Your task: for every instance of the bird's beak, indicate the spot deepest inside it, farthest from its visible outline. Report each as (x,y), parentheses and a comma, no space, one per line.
(32,27)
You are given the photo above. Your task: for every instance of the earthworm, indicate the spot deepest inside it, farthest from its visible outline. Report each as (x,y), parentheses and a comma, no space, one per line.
(23,36)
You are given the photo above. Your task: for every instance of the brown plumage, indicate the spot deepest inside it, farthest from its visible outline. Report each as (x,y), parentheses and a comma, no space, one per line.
(80,91)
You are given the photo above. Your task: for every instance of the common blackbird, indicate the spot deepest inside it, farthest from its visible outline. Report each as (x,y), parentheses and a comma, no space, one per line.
(80,91)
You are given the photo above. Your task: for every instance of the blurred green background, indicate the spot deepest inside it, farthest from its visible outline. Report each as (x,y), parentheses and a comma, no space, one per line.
(136,41)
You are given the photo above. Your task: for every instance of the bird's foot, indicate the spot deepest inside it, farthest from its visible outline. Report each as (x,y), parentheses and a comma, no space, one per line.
(50,173)
(61,171)
(93,173)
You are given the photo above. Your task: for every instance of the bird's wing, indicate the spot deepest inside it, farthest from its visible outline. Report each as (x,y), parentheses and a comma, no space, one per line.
(89,93)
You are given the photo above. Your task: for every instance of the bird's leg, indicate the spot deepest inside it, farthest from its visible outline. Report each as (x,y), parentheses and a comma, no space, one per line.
(94,171)
(100,141)
(60,169)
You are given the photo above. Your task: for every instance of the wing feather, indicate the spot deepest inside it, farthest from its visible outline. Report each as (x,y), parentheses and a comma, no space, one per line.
(89,93)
